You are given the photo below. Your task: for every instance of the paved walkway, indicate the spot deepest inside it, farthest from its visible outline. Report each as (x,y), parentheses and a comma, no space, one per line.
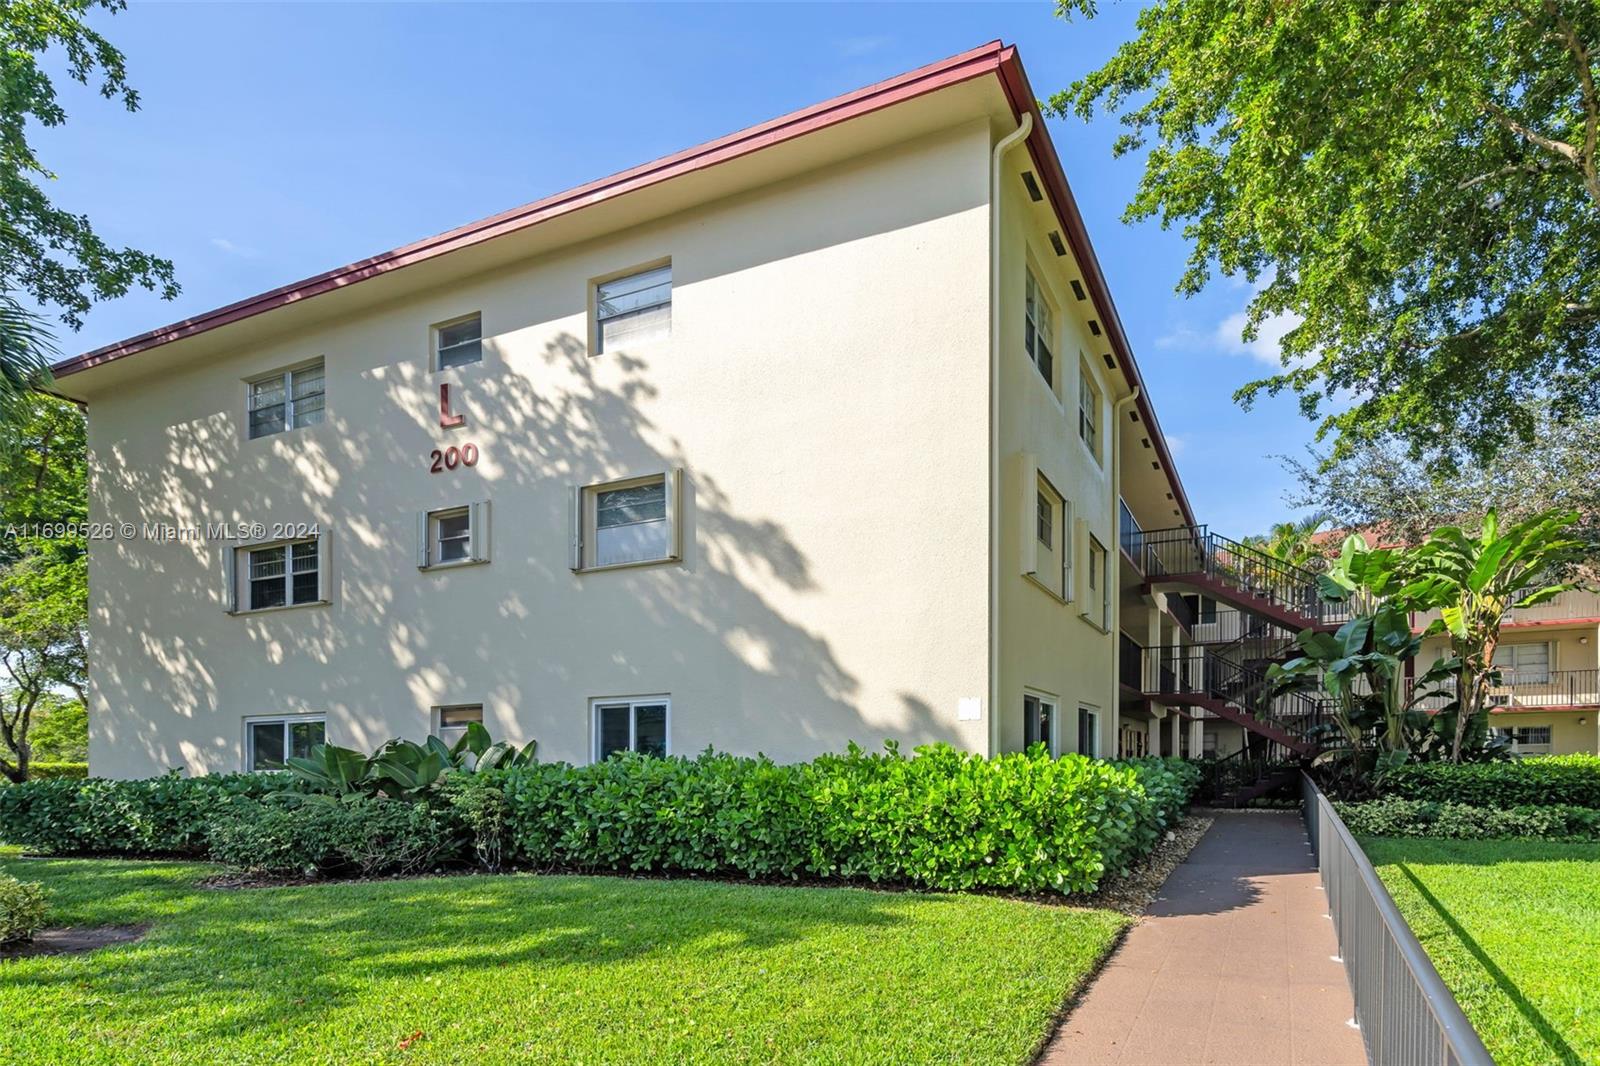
(1233,963)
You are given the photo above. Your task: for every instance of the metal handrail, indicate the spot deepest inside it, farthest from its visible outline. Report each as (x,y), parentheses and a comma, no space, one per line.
(1185,550)
(1546,688)
(1193,670)
(1405,1012)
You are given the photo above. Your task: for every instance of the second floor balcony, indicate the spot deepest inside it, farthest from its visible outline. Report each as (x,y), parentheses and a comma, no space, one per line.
(1527,690)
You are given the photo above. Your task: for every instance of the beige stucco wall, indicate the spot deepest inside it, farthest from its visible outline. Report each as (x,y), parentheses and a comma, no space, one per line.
(1045,645)
(825,390)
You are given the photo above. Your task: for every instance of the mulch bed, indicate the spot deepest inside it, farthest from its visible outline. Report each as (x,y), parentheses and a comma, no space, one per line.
(73,940)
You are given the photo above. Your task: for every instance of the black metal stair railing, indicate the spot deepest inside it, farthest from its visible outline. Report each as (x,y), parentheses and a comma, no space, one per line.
(1194,671)
(1195,550)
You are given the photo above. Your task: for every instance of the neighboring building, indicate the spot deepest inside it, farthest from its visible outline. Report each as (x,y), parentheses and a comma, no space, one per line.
(826,431)
(1549,691)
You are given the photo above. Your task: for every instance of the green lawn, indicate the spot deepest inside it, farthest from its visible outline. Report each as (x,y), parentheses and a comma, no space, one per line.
(1513,927)
(530,968)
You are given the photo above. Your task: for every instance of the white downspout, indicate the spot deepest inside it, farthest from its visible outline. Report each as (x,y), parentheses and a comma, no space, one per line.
(1006,143)
(1117,410)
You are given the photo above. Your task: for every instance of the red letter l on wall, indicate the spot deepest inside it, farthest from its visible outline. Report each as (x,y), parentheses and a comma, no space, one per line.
(446,419)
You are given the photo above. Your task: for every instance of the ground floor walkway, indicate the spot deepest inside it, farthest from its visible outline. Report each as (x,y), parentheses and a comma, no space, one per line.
(1233,963)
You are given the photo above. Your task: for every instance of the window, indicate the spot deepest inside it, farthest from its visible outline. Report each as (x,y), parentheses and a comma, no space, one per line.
(1088,732)
(453,536)
(636,309)
(270,741)
(1038,722)
(627,522)
(1047,551)
(1038,332)
(1527,739)
(281,575)
(1046,519)
(458,343)
(453,721)
(1523,664)
(630,725)
(1097,604)
(1088,410)
(291,399)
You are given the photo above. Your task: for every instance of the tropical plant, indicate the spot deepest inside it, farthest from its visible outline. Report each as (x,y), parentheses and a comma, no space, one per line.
(22,909)
(1294,541)
(403,769)
(1413,187)
(1476,580)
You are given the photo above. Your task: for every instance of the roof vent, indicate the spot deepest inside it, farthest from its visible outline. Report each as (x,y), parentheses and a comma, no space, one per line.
(1145,442)
(1077,289)
(1094,327)
(1033,186)
(1169,495)
(1134,415)
(1059,246)
(1111,364)
(1155,466)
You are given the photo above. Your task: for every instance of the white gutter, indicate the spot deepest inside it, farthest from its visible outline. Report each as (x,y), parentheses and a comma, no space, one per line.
(1117,410)
(1008,142)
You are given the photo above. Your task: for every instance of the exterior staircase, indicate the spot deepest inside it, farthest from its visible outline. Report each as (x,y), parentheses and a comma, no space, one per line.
(1228,679)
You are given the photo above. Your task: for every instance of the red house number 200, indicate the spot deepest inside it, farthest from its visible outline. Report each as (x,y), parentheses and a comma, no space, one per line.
(452,457)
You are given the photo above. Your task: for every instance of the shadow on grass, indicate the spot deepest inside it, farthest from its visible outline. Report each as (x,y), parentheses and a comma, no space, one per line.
(1535,1018)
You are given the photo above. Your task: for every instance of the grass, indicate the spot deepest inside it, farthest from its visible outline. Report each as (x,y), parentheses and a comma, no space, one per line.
(530,968)
(1513,927)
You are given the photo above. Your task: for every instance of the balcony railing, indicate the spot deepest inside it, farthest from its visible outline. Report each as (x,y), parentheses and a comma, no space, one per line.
(1296,718)
(1128,531)
(1576,605)
(1130,665)
(1538,688)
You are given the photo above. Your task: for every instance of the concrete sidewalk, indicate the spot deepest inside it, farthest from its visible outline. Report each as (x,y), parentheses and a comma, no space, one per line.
(1233,963)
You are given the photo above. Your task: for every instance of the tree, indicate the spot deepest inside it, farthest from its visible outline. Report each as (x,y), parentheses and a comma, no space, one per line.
(49,256)
(44,578)
(1476,580)
(1292,541)
(1381,487)
(1414,185)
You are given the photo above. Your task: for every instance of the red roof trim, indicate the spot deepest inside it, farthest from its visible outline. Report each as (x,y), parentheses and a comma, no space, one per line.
(935,76)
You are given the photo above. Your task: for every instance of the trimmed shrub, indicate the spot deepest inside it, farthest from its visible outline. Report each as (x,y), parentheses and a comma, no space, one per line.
(1565,779)
(51,771)
(359,835)
(22,909)
(945,819)
(156,816)
(1395,817)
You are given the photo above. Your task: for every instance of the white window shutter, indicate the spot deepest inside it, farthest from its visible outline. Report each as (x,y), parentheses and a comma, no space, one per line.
(324,576)
(674,501)
(575,522)
(423,548)
(1078,530)
(1028,466)
(1069,543)
(230,576)
(478,527)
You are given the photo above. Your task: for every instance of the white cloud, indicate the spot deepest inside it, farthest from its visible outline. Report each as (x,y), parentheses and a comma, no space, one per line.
(1177,444)
(1180,336)
(1267,347)
(222,244)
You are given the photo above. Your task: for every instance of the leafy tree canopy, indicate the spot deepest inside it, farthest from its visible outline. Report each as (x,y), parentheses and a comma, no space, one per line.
(48,255)
(1414,181)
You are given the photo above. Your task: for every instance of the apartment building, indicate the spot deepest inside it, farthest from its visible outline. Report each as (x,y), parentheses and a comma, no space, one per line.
(813,434)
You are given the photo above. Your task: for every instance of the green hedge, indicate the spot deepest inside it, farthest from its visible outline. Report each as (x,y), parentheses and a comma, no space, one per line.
(22,909)
(1564,779)
(156,816)
(944,819)
(51,771)
(1395,817)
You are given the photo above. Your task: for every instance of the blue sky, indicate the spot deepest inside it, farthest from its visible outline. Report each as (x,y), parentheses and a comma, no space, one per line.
(276,141)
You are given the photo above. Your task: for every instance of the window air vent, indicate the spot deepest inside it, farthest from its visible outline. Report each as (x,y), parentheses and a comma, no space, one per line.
(1058,245)
(1033,186)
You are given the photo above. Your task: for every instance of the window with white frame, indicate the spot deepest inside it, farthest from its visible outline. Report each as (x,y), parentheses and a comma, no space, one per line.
(627,522)
(1038,721)
(453,536)
(634,309)
(1527,739)
(1088,732)
(1044,521)
(458,343)
(1523,664)
(631,725)
(288,399)
(1038,331)
(1052,547)
(268,742)
(1088,409)
(287,574)
(450,723)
